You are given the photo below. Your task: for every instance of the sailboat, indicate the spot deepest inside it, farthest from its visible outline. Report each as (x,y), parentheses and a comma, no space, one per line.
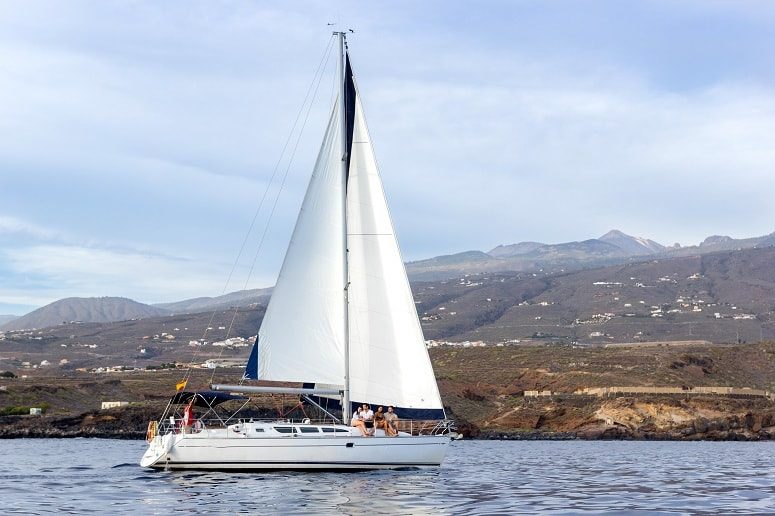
(341,322)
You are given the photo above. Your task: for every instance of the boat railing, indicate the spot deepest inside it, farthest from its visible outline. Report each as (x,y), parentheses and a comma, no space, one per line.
(175,425)
(425,426)
(409,426)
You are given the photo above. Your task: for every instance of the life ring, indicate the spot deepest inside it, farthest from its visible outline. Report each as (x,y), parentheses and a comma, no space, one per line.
(198,426)
(153,427)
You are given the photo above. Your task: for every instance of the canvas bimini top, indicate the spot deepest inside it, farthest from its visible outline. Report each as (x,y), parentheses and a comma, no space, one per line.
(204,398)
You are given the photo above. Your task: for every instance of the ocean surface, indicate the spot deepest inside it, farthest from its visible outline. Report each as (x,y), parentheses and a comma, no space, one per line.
(479,477)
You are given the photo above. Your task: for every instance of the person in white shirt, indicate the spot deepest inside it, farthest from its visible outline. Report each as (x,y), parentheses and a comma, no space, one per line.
(357,422)
(368,418)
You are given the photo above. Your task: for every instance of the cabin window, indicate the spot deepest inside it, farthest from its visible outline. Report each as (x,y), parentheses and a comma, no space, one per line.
(259,430)
(309,429)
(327,429)
(284,429)
(342,431)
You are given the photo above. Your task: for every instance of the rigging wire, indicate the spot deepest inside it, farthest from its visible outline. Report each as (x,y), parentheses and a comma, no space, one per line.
(314,84)
(280,189)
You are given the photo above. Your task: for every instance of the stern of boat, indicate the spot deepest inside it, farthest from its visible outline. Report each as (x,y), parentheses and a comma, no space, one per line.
(158,449)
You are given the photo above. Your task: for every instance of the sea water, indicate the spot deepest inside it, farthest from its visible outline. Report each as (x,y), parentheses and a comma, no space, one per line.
(478,477)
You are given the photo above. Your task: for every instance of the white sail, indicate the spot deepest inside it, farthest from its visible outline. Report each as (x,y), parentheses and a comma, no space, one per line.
(302,335)
(389,363)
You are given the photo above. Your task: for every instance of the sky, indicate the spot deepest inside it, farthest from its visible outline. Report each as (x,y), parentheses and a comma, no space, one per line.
(137,139)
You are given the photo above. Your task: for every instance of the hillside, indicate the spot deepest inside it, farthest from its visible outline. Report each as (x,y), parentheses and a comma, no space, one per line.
(80,309)
(202,304)
(483,389)
(132,343)
(721,297)
(615,247)
(7,318)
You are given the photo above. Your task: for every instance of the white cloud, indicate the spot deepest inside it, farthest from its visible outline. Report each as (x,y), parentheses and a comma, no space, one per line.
(14,225)
(80,271)
(669,165)
(130,135)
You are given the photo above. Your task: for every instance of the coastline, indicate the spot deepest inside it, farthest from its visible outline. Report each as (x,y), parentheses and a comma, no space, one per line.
(517,393)
(130,423)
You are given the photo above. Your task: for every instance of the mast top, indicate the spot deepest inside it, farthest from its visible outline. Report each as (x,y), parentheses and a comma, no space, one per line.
(343,34)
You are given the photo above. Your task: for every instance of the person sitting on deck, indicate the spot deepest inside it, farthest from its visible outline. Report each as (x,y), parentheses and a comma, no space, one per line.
(368,418)
(391,422)
(381,422)
(379,418)
(357,422)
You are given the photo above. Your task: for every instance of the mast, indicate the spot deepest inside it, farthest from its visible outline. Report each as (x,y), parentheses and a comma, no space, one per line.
(344,161)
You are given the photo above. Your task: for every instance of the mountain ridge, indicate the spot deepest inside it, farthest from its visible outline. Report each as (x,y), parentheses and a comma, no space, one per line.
(724,297)
(83,309)
(614,247)
(239,298)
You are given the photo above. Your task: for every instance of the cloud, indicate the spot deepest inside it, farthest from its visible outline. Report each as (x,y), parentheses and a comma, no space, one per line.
(39,265)
(13,225)
(54,271)
(137,140)
(519,162)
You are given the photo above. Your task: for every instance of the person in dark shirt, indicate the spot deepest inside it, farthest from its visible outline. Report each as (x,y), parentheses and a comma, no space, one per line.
(379,419)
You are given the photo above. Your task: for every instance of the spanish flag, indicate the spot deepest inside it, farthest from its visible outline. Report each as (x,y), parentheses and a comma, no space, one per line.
(181,385)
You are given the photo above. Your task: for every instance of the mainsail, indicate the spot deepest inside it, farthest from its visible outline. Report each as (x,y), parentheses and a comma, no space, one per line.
(302,336)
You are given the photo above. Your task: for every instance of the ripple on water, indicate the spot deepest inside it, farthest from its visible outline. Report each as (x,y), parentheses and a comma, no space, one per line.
(477,478)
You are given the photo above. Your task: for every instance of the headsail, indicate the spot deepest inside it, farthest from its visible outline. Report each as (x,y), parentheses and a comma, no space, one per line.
(301,336)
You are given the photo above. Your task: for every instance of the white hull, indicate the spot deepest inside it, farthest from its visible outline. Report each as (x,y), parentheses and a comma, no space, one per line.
(224,450)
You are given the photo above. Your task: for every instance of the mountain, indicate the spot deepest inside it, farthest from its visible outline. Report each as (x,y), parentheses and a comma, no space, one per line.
(632,246)
(84,309)
(722,297)
(7,318)
(716,243)
(570,253)
(452,265)
(524,256)
(504,251)
(614,247)
(202,304)
(766,240)
(719,297)
(635,246)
